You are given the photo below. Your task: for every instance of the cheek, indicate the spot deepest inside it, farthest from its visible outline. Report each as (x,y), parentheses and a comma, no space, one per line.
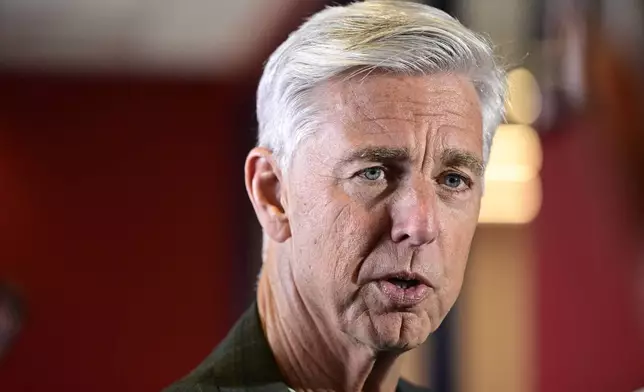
(456,242)
(332,238)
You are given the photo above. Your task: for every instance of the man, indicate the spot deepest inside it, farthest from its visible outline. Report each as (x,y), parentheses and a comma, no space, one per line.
(375,123)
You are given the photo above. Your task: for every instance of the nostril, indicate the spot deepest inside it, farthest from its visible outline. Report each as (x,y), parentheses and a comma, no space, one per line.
(413,233)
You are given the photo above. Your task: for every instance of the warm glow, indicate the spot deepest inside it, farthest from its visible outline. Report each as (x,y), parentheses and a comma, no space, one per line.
(511,202)
(515,146)
(523,105)
(512,183)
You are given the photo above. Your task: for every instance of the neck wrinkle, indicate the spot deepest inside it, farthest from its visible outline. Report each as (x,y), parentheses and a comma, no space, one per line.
(310,353)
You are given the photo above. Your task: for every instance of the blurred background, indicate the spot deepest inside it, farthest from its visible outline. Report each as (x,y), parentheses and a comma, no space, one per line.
(128,247)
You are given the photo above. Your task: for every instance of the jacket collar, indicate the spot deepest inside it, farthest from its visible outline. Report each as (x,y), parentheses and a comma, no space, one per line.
(243,361)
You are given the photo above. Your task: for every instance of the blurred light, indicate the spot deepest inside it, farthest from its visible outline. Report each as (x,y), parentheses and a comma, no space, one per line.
(515,146)
(512,183)
(524,102)
(515,173)
(511,202)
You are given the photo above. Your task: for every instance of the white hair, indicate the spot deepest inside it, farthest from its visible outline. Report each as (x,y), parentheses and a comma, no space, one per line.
(397,37)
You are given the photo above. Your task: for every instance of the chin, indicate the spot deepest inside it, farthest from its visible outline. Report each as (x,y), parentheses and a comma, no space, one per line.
(398,331)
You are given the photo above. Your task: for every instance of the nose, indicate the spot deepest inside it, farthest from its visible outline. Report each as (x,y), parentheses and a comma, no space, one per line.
(414,217)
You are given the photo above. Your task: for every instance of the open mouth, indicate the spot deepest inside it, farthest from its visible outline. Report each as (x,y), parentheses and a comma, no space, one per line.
(404,290)
(404,283)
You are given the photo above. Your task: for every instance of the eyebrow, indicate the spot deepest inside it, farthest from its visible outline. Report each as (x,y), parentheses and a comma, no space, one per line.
(378,154)
(461,158)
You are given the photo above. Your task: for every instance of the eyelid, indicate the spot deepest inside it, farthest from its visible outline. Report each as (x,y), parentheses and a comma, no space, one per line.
(361,172)
(464,177)
(458,172)
(390,173)
(372,166)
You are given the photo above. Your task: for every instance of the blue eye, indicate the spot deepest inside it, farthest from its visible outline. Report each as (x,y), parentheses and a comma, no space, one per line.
(372,173)
(454,181)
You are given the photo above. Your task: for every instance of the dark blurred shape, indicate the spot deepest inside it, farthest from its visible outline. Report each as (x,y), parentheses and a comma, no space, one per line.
(591,226)
(614,64)
(11,314)
(445,5)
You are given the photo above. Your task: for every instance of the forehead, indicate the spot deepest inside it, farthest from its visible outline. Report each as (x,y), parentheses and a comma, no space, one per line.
(405,109)
(438,92)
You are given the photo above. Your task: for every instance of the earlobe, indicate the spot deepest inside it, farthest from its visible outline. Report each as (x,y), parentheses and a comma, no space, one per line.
(267,193)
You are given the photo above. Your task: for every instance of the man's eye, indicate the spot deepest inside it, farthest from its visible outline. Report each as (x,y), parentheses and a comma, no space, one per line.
(454,181)
(372,173)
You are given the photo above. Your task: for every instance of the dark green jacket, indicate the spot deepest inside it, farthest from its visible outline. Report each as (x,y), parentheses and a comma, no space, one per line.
(244,362)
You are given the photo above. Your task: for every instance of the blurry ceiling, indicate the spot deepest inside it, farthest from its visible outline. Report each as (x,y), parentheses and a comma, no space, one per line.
(190,36)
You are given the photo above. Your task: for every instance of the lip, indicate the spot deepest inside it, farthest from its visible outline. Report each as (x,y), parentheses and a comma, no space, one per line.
(403,297)
(406,275)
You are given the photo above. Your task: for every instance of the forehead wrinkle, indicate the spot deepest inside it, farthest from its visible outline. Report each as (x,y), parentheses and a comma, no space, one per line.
(361,105)
(410,129)
(434,99)
(415,118)
(407,102)
(396,113)
(454,113)
(350,99)
(414,110)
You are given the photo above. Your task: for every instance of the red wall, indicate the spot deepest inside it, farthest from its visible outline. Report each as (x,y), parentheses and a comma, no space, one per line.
(124,221)
(118,202)
(588,337)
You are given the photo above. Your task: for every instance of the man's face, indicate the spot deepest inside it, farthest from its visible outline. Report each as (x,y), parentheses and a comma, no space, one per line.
(383,202)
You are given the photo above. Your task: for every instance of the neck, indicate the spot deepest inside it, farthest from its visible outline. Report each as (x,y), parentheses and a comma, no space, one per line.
(311,353)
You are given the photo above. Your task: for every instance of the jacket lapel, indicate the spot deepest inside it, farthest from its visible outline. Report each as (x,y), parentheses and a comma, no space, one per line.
(244,359)
(244,362)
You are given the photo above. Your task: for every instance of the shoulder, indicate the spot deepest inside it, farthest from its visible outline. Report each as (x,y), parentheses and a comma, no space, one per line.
(199,380)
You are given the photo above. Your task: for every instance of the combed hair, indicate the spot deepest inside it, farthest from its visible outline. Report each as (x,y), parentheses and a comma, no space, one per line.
(393,36)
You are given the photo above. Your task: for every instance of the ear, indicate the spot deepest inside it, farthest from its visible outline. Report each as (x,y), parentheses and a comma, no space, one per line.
(267,193)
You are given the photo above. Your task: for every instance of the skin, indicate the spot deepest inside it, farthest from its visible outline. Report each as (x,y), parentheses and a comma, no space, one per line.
(391,181)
